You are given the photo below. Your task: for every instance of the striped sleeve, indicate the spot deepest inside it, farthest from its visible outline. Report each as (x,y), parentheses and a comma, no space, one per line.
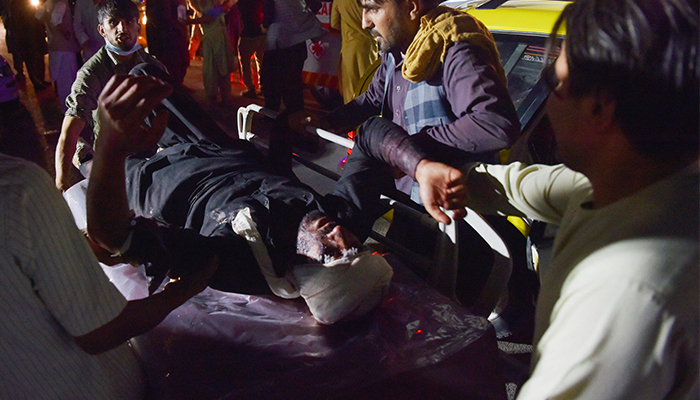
(56,258)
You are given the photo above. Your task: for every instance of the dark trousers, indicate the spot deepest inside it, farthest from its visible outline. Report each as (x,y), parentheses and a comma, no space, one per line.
(281,79)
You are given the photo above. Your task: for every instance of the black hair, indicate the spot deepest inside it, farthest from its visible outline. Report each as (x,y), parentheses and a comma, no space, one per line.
(642,54)
(125,9)
(429,3)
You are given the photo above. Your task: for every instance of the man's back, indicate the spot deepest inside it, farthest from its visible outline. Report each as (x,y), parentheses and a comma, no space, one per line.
(53,290)
(619,297)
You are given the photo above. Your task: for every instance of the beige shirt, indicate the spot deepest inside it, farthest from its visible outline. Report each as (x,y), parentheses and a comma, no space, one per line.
(617,313)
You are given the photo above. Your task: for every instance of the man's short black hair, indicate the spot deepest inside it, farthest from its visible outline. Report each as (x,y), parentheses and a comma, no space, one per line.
(125,9)
(643,54)
(429,3)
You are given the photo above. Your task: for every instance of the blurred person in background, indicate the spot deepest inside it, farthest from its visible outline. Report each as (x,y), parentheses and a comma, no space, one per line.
(85,27)
(64,51)
(26,41)
(168,36)
(289,23)
(359,48)
(219,60)
(19,136)
(251,45)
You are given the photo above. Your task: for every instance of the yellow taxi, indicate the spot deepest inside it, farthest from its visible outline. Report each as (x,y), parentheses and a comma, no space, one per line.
(521,29)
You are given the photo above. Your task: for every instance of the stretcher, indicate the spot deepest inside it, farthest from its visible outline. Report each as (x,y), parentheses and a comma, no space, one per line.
(417,344)
(440,269)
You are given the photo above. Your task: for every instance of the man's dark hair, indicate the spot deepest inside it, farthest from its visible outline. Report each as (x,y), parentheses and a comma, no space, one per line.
(643,54)
(429,3)
(125,9)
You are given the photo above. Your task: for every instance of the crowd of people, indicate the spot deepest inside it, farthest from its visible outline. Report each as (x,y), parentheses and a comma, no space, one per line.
(617,314)
(231,33)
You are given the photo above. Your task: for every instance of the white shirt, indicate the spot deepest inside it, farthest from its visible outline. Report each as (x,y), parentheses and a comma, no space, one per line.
(53,289)
(617,313)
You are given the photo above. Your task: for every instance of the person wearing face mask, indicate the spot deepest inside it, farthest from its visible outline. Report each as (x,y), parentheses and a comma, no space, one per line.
(119,26)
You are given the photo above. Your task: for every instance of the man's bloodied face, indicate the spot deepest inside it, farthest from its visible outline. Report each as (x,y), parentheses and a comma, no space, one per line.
(323,240)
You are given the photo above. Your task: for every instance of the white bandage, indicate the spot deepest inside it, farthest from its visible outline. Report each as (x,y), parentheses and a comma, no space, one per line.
(244,226)
(345,289)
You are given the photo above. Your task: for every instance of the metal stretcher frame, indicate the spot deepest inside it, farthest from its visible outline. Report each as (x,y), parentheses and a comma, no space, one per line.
(418,344)
(442,275)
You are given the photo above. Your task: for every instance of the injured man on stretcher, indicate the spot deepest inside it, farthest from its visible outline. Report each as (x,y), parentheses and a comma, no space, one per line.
(194,199)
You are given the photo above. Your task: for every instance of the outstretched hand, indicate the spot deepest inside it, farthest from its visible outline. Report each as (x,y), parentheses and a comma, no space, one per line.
(123,105)
(442,186)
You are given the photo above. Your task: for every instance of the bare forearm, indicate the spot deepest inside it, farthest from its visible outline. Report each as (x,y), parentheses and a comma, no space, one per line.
(65,149)
(108,214)
(137,318)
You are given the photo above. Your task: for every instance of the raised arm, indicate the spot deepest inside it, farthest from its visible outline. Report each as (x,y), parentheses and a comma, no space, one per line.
(123,105)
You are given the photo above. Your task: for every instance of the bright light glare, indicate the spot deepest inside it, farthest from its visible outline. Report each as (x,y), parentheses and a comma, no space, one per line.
(143,20)
(34,3)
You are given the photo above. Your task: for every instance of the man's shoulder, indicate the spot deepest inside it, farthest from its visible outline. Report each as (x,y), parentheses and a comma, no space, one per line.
(19,175)
(654,240)
(467,51)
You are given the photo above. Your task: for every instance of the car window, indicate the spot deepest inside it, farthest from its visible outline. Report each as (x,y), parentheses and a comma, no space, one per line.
(523,59)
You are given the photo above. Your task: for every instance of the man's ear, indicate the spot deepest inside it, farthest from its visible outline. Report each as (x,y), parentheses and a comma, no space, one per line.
(415,9)
(604,106)
(600,108)
(101,30)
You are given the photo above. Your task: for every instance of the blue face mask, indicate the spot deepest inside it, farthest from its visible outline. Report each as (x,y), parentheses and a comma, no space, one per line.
(116,50)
